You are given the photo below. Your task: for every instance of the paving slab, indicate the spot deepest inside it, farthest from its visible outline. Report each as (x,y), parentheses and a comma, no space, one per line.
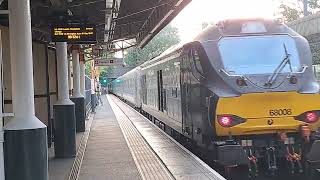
(59,168)
(107,156)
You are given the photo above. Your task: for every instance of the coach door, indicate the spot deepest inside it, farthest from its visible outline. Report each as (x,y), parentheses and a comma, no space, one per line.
(186,74)
(161,92)
(143,93)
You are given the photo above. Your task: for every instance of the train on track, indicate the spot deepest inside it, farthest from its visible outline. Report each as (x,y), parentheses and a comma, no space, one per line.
(243,89)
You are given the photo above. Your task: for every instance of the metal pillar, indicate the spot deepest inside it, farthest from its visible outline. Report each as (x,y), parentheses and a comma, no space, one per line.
(25,145)
(69,77)
(76,74)
(82,78)
(305,8)
(93,88)
(1,117)
(77,97)
(64,109)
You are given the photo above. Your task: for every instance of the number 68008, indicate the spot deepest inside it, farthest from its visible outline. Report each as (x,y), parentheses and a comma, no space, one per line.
(280,112)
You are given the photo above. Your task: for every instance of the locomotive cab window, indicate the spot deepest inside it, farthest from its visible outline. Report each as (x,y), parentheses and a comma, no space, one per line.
(258,54)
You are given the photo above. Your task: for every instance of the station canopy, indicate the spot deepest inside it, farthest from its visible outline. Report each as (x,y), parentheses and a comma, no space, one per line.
(119,23)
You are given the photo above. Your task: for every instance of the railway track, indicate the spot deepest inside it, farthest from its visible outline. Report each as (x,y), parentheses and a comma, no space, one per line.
(238,173)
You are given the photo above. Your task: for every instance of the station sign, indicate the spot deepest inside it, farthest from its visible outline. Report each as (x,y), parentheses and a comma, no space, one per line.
(109,62)
(74,33)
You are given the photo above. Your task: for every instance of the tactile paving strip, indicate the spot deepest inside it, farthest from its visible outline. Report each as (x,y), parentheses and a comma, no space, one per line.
(148,163)
(179,161)
(75,170)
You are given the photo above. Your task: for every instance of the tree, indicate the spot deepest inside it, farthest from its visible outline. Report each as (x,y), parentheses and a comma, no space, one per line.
(289,13)
(165,39)
(88,68)
(105,72)
(315,53)
(293,11)
(314,4)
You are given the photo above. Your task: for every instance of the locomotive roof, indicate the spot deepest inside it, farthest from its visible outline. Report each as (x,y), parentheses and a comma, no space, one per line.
(165,53)
(155,59)
(231,27)
(235,27)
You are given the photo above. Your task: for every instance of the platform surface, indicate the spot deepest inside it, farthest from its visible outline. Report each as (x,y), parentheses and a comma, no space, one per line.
(121,144)
(59,168)
(107,155)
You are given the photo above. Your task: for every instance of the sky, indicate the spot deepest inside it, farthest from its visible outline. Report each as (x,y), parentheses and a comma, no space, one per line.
(189,21)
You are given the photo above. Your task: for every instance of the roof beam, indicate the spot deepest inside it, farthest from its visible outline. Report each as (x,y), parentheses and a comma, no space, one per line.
(72,5)
(158,19)
(144,20)
(59,3)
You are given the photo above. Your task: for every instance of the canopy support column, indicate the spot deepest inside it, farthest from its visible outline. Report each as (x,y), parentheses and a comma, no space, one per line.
(26,148)
(64,109)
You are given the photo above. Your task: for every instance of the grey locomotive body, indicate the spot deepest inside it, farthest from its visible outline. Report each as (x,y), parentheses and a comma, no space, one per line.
(201,89)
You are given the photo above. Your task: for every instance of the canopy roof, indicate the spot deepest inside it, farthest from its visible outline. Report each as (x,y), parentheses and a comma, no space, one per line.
(143,19)
(116,20)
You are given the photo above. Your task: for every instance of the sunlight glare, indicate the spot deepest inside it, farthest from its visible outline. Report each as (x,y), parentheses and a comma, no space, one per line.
(189,21)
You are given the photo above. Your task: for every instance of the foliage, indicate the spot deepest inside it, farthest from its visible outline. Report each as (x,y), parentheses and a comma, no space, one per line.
(314,4)
(88,68)
(165,39)
(105,71)
(315,54)
(289,13)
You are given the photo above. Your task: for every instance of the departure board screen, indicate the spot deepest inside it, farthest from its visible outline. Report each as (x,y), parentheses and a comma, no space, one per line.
(76,34)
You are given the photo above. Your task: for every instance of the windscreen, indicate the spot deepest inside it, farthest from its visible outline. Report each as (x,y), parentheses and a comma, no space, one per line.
(258,54)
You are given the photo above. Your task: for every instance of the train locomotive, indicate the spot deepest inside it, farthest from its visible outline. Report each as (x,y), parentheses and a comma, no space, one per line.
(243,89)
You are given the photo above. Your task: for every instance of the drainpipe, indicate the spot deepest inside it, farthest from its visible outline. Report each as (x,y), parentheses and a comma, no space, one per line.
(1,117)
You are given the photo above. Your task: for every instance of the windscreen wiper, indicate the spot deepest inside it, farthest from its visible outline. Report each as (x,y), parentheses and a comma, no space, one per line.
(280,67)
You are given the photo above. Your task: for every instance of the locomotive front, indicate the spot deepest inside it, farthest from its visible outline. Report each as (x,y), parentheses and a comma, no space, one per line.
(267,103)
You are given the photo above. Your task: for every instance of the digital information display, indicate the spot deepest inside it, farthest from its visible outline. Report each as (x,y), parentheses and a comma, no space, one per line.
(75,34)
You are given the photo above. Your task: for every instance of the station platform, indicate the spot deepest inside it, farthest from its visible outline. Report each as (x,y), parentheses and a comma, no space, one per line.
(121,144)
